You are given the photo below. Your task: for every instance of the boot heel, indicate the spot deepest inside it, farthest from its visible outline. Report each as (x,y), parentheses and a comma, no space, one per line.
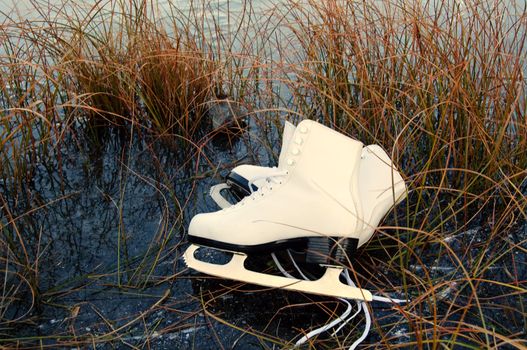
(330,250)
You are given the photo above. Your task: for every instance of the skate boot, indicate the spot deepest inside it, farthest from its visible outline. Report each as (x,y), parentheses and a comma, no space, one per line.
(313,203)
(245,179)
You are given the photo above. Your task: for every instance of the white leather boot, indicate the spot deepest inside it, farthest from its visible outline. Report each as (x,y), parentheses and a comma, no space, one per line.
(316,194)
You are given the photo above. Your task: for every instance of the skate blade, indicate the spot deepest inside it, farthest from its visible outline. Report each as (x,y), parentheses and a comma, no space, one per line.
(328,285)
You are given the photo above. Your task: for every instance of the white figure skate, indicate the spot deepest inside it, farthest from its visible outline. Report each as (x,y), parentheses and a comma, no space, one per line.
(311,203)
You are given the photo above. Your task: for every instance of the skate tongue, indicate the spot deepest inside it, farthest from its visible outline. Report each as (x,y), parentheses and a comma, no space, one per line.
(287,135)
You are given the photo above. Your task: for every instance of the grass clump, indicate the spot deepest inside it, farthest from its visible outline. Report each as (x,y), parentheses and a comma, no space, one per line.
(176,81)
(439,84)
(122,66)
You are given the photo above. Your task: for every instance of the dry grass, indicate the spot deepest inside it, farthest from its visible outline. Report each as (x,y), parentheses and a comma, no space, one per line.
(440,85)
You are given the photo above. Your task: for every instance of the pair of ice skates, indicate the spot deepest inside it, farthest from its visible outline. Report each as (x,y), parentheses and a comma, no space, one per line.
(323,201)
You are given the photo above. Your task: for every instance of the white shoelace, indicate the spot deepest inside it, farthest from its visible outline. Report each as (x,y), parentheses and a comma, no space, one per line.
(343,319)
(268,178)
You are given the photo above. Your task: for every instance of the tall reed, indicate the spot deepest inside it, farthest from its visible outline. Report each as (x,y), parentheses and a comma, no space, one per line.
(439,84)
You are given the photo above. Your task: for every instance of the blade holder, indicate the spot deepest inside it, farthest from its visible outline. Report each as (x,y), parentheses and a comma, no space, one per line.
(328,250)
